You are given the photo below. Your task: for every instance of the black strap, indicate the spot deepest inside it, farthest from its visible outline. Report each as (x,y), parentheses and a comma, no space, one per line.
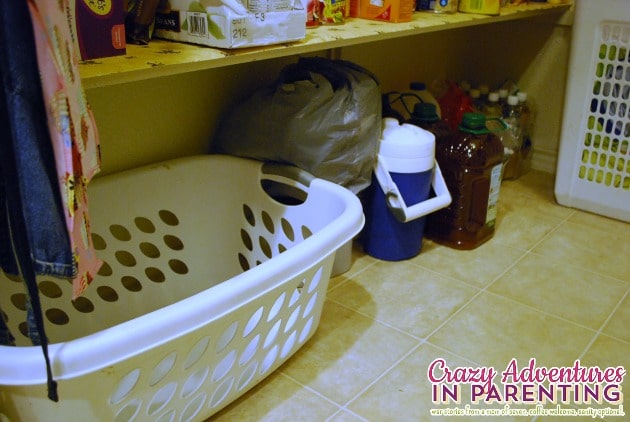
(25,264)
(16,36)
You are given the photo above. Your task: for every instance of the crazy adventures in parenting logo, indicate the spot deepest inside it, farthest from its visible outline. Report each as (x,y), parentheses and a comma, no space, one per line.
(528,385)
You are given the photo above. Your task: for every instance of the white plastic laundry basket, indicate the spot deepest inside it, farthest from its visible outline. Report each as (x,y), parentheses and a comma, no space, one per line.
(593,170)
(216,270)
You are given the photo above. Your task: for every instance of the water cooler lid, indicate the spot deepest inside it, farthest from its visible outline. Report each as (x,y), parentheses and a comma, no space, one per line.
(406,148)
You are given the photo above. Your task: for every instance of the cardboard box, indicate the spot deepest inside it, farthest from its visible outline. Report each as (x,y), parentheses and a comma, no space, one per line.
(99,27)
(232,24)
(387,10)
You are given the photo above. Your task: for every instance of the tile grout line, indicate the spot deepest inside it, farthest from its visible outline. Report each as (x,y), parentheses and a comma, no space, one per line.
(383,374)
(482,290)
(561,223)
(600,331)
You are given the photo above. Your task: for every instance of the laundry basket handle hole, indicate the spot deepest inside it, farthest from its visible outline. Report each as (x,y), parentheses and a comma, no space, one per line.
(286,184)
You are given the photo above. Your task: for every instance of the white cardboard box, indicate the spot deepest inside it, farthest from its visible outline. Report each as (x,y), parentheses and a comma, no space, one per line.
(232,23)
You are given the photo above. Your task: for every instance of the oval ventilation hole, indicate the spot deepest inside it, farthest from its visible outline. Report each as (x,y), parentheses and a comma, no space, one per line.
(107,293)
(306,331)
(315,280)
(105,270)
(168,217)
(57,316)
(310,305)
(306,232)
(281,248)
(193,408)
(163,368)
(50,289)
(196,352)
(120,232)
(269,360)
(144,225)
(247,241)
(227,337)
(23,327)
(243,262)
(287,228)
(194,382)
(173,242)
(155,274)
(125,258)
(83,305)
(129,412)
(288,345)
(249,215)
(247,375)
(224,366)
(178,267)
(277,305)
(264,247)
(131,283)
(98,242)
(291,321)
(221,392)
(125,386)
(149,250)
(250,350)
(273,333)
(296,293)
(162,398)
(14,278)
(19,301)
(268,222)
(166,417)
(253,321)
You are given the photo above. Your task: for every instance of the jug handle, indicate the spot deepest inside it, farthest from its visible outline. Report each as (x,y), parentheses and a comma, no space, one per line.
(396,202)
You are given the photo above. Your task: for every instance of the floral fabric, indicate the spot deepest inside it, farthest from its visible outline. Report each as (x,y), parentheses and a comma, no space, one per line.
(72,128)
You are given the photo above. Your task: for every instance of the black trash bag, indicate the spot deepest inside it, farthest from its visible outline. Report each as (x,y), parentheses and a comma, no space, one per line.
(321,115)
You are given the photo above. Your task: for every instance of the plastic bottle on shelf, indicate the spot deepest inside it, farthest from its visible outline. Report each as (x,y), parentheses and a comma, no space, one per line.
(503,96)
(513,137)
(437,6)
(465,86)
(492,108)
(471,164)
(478,104)
(527,119)
(484,91)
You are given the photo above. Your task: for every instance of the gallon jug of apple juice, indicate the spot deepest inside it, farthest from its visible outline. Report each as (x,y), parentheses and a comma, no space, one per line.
(471,164)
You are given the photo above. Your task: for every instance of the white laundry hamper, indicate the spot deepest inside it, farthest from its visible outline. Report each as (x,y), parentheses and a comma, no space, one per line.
(216,270)
(593,171)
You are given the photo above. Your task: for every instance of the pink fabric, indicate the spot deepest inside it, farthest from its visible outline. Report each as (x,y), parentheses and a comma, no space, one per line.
(72,128)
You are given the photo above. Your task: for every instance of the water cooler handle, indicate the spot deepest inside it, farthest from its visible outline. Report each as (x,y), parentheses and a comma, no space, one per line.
(396,203)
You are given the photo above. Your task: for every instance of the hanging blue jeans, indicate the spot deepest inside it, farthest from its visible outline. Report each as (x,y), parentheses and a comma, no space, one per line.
(35,239)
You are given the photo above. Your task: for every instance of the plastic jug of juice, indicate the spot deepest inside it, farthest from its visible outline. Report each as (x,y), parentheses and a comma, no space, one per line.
(471,165)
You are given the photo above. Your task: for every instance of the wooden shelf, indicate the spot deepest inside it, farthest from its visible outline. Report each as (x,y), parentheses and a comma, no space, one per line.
(163,58)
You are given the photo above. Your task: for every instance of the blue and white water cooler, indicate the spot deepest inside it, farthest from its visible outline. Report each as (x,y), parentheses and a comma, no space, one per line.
(404,173)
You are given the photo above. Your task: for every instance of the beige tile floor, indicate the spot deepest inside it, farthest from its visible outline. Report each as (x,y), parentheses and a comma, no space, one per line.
(553,284)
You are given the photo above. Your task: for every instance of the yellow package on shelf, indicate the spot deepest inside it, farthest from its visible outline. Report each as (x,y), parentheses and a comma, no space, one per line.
(482,7)
(232,24)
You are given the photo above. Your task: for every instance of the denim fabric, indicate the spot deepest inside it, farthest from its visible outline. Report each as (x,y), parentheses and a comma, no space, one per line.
(25,141)
(32,208)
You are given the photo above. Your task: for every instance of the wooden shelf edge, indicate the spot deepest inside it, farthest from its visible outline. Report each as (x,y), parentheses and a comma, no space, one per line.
(164,58)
